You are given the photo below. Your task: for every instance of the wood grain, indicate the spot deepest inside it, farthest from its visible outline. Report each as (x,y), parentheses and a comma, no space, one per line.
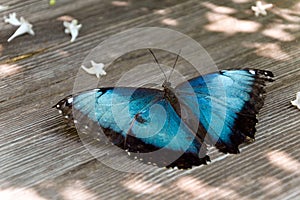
(41,158)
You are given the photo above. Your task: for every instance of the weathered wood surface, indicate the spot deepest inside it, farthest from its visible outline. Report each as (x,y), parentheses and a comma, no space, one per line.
(41,158)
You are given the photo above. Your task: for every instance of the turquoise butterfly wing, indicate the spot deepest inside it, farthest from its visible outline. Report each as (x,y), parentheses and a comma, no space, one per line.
(140,120)
(228,102)
(216,109)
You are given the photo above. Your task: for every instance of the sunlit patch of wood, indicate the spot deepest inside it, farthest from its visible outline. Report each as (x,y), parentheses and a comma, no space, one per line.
(145,9)
(142,186)
(268,50)
(8,70)
(161,12)
(284,161)
(1,49)
(76,191)
(297,6)
(63,53)
(19,194)
(219,9)
(170,22)
(279,32)
(200,189)
(271,186)
(120,3)
(291,14)
(67,18)
(242,1)
(229,25)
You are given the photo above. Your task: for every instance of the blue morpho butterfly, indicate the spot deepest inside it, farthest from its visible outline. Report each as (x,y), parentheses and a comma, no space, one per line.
(195,113)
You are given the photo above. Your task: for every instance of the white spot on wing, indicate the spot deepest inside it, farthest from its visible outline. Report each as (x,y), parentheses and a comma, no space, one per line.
(252,72)
(70,100)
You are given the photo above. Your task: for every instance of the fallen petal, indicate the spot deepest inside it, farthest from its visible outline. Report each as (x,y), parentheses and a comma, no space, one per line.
(12,19)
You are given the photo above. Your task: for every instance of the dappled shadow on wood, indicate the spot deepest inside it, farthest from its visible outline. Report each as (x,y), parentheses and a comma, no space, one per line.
(41,158)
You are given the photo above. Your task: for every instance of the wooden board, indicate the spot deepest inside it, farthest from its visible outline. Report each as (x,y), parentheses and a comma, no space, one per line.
(41,158)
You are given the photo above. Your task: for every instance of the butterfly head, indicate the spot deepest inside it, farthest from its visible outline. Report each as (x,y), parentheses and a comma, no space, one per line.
(166,84)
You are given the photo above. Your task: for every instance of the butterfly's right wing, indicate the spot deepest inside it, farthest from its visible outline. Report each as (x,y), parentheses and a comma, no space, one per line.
(226,104)
(139,120)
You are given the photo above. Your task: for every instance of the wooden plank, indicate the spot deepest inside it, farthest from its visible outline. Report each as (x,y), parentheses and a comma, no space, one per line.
(40,155)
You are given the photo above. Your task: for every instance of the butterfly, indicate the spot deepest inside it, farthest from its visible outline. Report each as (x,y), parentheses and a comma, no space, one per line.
(172,127)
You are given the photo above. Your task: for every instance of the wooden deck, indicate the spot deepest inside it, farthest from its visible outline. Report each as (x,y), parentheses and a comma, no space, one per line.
(41,158)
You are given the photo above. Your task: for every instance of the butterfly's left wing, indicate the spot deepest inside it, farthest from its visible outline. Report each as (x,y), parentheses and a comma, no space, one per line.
(226,104)
(139,120)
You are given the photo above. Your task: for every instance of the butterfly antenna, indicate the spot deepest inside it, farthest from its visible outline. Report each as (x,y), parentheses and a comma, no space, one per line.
(158,63)
(173,68)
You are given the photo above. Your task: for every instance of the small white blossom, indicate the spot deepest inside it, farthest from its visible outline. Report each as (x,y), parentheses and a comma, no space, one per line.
(97,68)
(260,8)
(24,26)
(72,28)
(12,19)
(3,8)
(296,102)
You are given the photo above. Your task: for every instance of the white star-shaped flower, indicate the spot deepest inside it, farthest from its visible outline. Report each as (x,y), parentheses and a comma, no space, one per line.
(297,101)
(260,8)
(97,68)
(24,26)
(72,28)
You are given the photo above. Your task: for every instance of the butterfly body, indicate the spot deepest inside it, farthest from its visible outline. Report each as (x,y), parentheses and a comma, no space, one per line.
(172,127)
